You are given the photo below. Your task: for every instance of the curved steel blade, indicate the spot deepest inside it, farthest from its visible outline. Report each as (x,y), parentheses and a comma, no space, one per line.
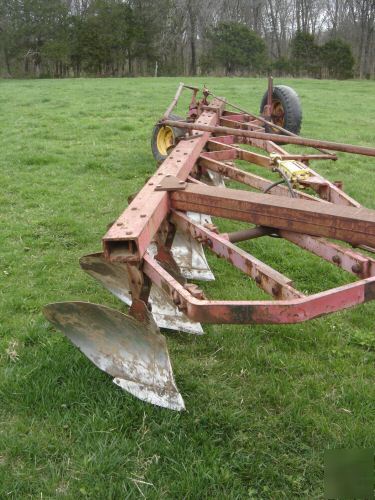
(114,277)
(189,254)
(215,179)
(132,352)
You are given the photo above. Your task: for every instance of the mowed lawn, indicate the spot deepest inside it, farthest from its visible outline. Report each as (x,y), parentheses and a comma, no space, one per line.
(263,402)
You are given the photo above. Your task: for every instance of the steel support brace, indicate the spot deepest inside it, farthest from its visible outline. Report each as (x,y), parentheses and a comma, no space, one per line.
(265,312)
(130,236)
(284,139)
(326,189)
(352,262)
(350,224)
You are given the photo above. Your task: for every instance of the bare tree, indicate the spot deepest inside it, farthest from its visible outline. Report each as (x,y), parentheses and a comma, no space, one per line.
(363,17)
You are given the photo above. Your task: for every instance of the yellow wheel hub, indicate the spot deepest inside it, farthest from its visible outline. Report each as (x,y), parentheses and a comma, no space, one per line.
(278,113)
(165,140)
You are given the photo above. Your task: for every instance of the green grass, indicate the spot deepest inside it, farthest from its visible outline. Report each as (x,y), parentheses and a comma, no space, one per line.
(263,402)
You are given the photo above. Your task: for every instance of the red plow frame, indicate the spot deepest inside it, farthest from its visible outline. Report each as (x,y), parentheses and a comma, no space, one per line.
(210,145)
(172,191)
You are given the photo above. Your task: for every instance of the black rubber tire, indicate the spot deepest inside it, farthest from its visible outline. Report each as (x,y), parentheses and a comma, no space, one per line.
(292,107)
(177,132)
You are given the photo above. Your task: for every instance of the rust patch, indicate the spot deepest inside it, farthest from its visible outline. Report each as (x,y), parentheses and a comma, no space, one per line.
(370,291)
(242,314)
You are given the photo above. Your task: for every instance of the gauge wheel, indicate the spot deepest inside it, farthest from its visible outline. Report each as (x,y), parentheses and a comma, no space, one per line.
(164,139)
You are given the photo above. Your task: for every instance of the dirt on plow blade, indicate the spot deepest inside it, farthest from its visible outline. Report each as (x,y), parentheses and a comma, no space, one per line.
(134,353)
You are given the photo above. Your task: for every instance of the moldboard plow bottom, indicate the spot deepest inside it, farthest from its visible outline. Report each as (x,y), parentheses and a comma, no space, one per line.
(157,244)
(131,351)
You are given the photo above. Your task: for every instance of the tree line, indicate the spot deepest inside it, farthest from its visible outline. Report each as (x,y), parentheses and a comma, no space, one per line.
(62,38)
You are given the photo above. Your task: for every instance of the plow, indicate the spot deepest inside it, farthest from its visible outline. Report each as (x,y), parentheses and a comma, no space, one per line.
(153,255)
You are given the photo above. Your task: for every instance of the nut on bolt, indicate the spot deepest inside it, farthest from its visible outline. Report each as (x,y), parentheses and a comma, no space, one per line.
(336,259)
(357,268)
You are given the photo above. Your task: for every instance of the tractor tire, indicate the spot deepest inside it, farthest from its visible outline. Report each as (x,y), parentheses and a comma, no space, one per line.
(164,139)
(286,109)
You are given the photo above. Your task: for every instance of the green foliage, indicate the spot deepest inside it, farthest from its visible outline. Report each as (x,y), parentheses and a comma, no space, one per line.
(303,46)
(53,39)
(337,58)
(237,48)
(305,54)
(334,58)
(35,31)
(60,38)
(263,401)
(282,66)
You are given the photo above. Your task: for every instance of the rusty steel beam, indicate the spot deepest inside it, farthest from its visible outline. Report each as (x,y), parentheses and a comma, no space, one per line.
(219,151)
(248,234)
(264,312)
(240,117)
(131,234)
(350,224)
(346,258)
(302,141)
(223,154)
(239,125)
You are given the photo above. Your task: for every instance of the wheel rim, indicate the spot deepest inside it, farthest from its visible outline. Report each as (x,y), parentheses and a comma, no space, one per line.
(165,140)
(277,113)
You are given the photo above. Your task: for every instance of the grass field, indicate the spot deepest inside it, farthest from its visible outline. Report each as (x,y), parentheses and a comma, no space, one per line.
(263,402)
